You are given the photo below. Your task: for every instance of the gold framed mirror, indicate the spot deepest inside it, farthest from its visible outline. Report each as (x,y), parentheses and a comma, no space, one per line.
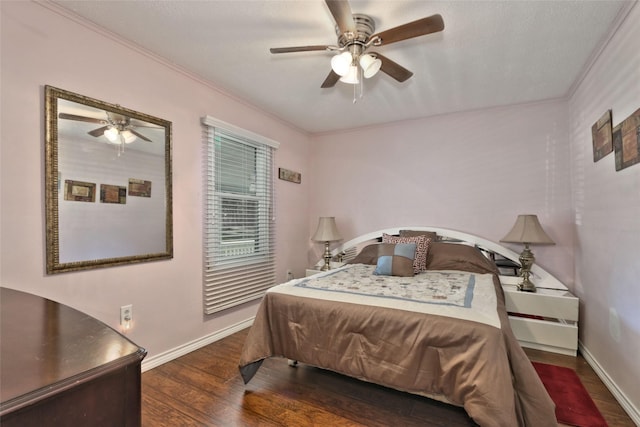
(108,194)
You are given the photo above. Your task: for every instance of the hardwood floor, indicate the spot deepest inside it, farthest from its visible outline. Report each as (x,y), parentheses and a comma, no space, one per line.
(602,397)
(204,388)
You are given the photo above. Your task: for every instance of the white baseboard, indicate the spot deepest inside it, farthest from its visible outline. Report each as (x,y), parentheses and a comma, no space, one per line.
(174,353)
(622,399)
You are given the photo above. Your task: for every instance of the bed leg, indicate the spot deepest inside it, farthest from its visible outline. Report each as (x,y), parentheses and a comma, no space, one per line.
(293,363)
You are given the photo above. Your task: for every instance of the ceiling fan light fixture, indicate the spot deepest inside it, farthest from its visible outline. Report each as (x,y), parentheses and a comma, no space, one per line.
(128,137)
(340,63)
(352,76)
(356,33)
(112,135)
(370,65)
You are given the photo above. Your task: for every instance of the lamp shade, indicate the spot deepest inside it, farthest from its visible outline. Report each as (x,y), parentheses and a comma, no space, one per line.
(528,230)
(370,65)
(352,76)
(327,230)
(128,136)
(340,63)
(112,135)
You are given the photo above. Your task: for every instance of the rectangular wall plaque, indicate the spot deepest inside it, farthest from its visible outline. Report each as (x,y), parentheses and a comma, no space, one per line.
(290,176)
(113,194)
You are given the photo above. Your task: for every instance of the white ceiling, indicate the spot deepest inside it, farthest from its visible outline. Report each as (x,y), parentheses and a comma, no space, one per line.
(491,53)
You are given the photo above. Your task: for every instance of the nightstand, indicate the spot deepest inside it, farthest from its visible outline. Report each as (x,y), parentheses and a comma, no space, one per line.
(316,269)
(311,271)
(544,320)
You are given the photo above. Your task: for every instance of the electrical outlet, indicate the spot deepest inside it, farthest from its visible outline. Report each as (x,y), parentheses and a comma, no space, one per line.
(126,317)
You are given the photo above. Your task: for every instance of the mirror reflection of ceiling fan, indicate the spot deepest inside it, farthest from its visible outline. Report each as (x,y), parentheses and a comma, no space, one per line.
(116,127)
(355,36)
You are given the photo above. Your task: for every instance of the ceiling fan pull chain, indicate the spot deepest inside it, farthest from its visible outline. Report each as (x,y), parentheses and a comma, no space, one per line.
(361,82)
(354,94)
(120,146)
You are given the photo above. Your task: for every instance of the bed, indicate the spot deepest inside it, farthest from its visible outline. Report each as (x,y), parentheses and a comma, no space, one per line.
(429,322)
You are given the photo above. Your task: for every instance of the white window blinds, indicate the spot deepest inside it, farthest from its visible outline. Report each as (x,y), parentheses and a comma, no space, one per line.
(239,240)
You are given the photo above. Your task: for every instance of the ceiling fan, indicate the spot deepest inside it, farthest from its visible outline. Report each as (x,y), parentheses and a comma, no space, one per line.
(355,36)
(116,128)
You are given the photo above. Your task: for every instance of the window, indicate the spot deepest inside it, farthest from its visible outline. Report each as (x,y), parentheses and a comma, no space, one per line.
(239,240)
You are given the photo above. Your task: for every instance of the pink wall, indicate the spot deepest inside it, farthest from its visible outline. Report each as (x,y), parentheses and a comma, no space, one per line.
(41,46)
(473,172)
(606,219)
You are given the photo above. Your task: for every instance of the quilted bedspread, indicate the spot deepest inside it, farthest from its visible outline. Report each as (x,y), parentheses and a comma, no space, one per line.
(442,334)
(459,294)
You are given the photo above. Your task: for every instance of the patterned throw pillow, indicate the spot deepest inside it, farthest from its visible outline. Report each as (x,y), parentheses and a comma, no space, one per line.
(422,248)
(395,259)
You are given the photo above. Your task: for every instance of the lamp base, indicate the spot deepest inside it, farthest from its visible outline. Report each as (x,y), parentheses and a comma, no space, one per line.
(327,258)
(526,261)
(526,286)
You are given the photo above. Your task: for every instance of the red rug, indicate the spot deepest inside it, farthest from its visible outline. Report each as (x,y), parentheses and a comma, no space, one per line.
(574,406)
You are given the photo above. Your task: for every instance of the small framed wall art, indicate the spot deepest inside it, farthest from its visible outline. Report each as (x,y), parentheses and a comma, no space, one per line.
(291,176)
(626,141)
(602,138)
(79,191)
(113,194)
(139,187)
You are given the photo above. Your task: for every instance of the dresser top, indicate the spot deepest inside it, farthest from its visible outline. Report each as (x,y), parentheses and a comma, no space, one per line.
(46,346)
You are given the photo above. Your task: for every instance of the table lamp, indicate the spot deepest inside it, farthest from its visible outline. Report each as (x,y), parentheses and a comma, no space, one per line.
(327,232)
(527,230)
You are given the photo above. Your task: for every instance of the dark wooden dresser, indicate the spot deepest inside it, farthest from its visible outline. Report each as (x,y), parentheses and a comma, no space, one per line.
(61,367)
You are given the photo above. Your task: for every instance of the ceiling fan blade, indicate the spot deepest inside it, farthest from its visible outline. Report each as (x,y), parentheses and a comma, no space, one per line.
(331,80)
(394,69)
(421,27)
(98,132)
(341,12)
(82,118)
(299,49)
(139,135)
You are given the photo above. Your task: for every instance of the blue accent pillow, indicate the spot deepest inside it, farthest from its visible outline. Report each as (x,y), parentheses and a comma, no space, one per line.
(395,259)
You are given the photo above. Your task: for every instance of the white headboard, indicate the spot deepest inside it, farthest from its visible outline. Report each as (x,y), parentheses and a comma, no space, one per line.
(540,277)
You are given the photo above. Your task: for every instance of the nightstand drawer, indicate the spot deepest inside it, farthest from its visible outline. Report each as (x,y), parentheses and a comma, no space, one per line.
(544,320)
(544,302)
(556,337)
